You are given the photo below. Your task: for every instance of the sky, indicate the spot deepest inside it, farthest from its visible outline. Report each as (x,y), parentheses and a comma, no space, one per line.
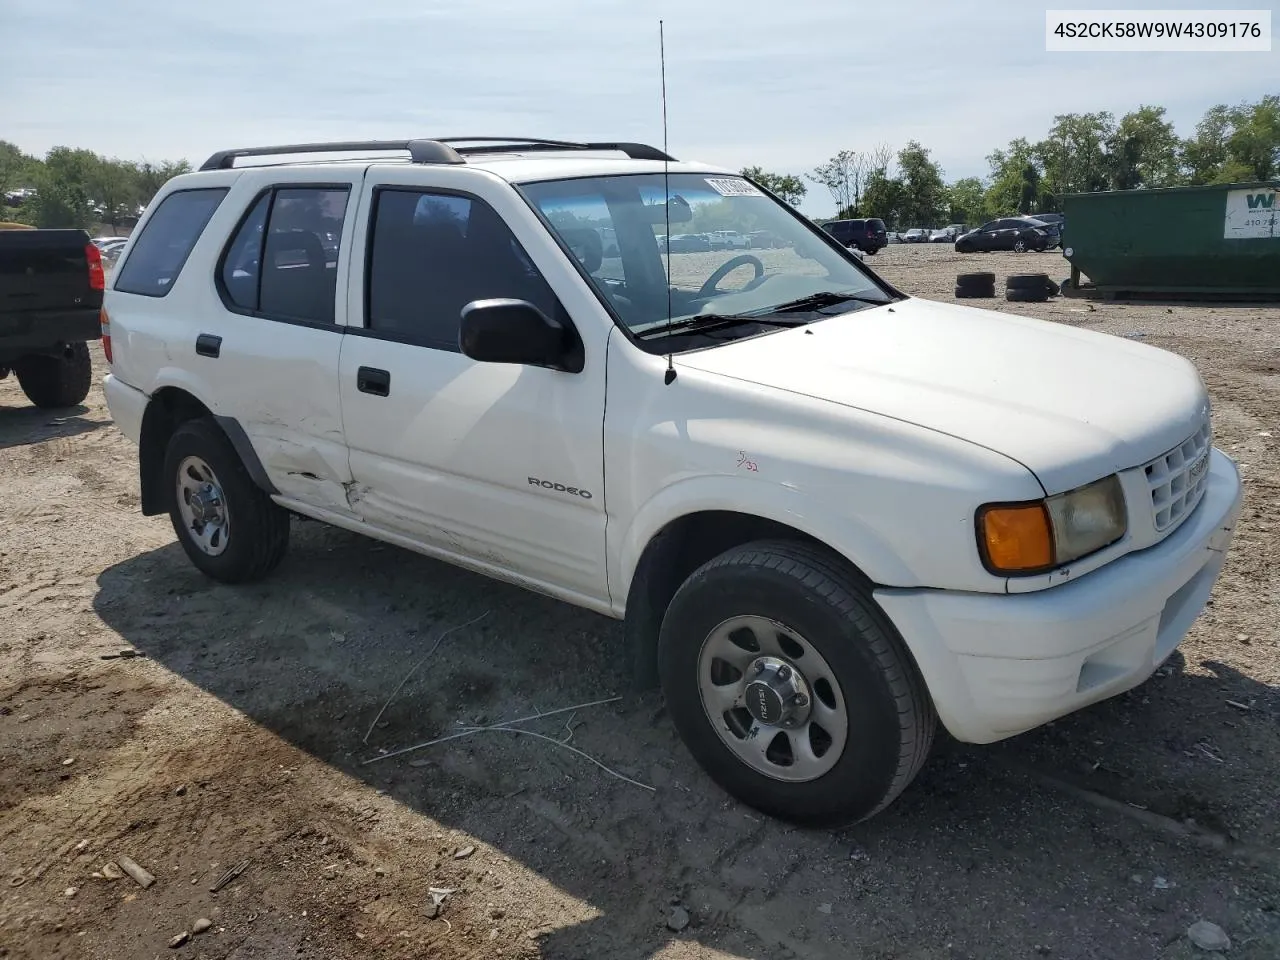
(782,85)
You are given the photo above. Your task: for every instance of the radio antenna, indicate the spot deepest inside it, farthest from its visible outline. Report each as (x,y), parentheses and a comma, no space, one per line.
(670,375)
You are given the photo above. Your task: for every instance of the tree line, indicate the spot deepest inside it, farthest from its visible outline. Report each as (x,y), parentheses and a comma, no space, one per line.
(1081,153)
(78,188)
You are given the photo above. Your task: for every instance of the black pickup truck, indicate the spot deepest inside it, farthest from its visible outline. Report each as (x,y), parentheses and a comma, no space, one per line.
(51,284)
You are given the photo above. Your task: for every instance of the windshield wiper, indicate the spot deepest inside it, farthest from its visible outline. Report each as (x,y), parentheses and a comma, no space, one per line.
(825,298)
(710,321)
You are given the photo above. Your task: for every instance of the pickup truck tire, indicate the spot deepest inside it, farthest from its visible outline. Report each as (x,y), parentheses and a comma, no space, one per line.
(56,381)
(228,526)
(794,619)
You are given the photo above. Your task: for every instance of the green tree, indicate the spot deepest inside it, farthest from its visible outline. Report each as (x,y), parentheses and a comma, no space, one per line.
(844,176)
(885,197)
(1254,144)
(151,177)
(790,188)
(113,187)
(1231,144)
(63,197)
(1143,151)
(1204,154)
(1074,154)
(1015,176)
(965,199)
(16,168)
(924,193)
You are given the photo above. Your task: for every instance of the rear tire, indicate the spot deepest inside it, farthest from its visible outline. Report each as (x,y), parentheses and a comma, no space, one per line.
(230,529)
(1022,295)
(56,381)
(804,608)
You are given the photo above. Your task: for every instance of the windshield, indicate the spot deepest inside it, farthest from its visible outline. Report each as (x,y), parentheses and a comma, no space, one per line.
(733,249)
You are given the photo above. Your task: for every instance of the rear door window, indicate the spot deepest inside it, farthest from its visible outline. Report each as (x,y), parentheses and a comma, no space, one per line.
(282,263)
(161,250)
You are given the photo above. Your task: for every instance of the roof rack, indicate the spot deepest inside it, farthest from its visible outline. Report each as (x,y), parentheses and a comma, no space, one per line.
(439,150)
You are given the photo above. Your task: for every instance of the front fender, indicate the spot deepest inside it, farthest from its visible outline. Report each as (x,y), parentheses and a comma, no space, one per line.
(784,504)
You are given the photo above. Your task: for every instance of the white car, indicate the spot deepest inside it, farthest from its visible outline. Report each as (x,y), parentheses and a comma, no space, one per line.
(831,514)
(728,240)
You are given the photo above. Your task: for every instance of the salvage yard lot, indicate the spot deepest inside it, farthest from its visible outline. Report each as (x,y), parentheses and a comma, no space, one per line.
(240,736)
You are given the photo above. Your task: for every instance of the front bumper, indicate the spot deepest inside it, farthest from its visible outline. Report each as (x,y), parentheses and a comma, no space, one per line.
(1000,664)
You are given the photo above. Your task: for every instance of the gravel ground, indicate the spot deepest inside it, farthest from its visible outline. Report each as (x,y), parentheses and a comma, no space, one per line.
(239,735)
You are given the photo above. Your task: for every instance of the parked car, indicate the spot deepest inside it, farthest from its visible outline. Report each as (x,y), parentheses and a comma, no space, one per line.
(943,235)
(832,515)
(868,235)
(763,240)
(1008,233)
(1056,223)
(690,243)
(727,240)
(51,286)
(916,235)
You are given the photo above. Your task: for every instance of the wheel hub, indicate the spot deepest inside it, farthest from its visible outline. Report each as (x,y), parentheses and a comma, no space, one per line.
(776,694)
(206,504)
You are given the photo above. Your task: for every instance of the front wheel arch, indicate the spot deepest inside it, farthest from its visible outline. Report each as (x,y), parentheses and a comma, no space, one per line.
(676,551)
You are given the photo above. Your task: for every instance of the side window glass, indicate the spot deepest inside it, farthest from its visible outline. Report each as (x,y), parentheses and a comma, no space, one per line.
(432,254)
(299,262)
(241,264)
(161,251)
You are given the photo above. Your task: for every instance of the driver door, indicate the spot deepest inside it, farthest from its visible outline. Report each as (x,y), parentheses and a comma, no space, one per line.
(498,465)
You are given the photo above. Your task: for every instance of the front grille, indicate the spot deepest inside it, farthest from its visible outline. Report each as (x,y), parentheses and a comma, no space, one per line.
(1178,479)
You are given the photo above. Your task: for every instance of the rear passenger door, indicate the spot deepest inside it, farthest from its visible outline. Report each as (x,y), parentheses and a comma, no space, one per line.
(276,336)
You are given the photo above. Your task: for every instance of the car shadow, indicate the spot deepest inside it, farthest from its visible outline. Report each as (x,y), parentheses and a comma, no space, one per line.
(23,425)
(977,858)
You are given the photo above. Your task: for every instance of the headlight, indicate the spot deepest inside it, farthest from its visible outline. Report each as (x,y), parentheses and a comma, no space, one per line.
(1039,535)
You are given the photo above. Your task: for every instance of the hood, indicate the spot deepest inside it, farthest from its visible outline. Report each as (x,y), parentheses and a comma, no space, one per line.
(1071,405)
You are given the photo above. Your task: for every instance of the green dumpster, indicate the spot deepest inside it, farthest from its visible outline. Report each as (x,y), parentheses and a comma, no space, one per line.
(1221,240)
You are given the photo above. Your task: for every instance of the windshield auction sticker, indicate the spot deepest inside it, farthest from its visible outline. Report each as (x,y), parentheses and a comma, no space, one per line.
(1252,214)
(733,187)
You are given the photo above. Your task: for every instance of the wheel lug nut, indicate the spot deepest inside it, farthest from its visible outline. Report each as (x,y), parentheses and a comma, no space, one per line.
(759,668)
(800,700)
(784,672)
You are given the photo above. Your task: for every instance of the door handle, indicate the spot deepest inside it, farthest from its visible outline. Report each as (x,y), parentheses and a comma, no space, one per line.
(208,345)
(374,381)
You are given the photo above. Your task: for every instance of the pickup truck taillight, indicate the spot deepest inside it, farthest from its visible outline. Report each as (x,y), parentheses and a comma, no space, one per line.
(97,279)
(104,322)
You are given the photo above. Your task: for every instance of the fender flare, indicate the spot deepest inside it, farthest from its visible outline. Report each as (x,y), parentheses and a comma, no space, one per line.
(787,505)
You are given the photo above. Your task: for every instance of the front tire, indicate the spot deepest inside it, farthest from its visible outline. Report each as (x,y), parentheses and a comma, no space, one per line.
(51,382)
(790,686)
(228,526)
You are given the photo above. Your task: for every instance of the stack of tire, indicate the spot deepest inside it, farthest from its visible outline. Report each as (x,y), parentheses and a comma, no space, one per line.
(1030,288)
(1021,287)
(975,285)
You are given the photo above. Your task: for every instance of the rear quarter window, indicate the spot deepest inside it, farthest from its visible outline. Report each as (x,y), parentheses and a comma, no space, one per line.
(161,250)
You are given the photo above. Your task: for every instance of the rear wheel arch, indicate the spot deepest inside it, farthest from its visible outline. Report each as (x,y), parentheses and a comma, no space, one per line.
(169,408)
(676,551)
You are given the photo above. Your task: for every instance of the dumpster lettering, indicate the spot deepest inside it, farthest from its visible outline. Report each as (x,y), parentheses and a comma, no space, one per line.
(1251,215)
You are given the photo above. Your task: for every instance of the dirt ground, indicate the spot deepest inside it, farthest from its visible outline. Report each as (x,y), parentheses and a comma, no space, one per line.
(238,735)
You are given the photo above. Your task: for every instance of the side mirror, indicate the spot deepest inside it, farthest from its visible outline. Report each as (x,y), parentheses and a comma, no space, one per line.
(515,331)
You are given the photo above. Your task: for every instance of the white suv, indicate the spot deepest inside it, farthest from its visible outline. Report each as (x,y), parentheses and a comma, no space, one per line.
(830,513)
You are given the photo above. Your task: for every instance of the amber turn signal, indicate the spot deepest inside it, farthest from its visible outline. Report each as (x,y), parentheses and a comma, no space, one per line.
(1016,538)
